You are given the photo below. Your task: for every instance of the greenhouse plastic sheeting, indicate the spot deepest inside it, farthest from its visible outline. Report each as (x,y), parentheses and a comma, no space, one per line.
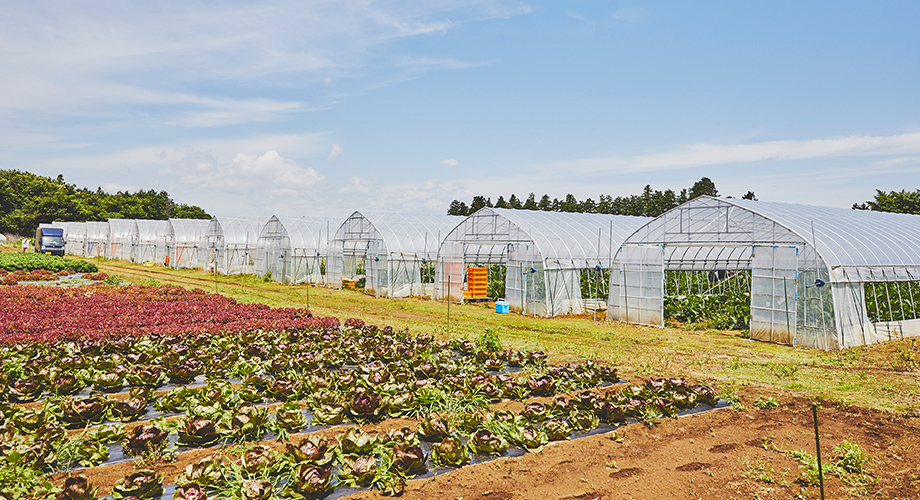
(233,245)
(185,243)
(97,234)
(545,254)
(296,248)
(638,283)
(122,235)
(391,250)
(150,245)
(74,238)
(809,264)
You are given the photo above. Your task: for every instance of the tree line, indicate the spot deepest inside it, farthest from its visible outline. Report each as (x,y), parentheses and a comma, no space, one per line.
(651,203)
(27,199)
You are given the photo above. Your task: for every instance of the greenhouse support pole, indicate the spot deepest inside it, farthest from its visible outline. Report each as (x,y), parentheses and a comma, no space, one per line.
(786,303)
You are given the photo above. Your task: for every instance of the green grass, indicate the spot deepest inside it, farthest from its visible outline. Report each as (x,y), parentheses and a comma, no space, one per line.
(863,376)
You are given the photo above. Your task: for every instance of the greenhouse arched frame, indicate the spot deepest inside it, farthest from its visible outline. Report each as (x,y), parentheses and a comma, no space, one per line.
(548,256)
(296,248)
(74,238)
(822,277)
(394,253)
(233,245)
(122,235)
(185,244)
(150,245)
(97,236)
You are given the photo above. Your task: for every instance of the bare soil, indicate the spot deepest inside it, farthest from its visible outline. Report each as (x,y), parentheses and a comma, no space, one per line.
(723,454)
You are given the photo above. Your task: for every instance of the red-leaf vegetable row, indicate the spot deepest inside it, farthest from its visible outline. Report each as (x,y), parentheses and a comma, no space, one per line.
(51,314)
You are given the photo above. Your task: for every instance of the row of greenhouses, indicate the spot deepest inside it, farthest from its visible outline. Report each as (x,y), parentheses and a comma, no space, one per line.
(828,278)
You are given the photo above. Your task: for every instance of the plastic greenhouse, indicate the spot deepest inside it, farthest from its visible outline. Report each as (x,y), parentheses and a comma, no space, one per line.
(233,245)
(74,238)
(393,253)
(97,234)
(185,245)
(548,257)
(295,248)
(121,237)
(150,245)
(828,278)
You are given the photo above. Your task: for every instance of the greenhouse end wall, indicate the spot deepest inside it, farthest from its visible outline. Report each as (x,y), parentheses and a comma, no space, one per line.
(810,267)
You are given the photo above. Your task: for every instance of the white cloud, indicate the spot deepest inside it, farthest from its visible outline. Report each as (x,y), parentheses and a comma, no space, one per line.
(358,185)
(697,155)
(336,151)
(269,167)
(103,60)
(450,162)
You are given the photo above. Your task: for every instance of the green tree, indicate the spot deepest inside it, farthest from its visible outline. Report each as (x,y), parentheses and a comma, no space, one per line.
(531,203)
(902,202)
(514,202)
(570,204)
(704,186)
(457,207)
(479,202)
(26,200)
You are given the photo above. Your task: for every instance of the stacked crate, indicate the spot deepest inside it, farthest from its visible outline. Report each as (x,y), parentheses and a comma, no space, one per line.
(477,282)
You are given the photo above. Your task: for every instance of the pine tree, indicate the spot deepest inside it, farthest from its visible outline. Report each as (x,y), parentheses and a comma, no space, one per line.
(531,203)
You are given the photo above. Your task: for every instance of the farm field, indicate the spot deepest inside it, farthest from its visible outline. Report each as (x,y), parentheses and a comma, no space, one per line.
(762,446)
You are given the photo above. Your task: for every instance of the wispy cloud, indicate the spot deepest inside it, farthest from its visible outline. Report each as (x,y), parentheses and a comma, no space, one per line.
(697,155)
(94,59)
(450,162)
(627,14)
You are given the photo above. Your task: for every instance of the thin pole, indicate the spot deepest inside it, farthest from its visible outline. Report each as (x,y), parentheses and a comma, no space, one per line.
(450,284)
(786,303)
(215,269)
(814,412)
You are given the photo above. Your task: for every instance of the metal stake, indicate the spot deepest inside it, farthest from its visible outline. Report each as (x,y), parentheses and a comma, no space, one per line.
(814,411)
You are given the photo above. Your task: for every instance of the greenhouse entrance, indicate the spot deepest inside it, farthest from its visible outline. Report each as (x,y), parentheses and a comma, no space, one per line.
(655,283)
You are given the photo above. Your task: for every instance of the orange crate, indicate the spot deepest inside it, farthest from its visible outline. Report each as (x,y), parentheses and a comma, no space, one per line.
(477,282)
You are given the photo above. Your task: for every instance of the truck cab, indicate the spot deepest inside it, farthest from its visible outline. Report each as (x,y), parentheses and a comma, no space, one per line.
(49,240)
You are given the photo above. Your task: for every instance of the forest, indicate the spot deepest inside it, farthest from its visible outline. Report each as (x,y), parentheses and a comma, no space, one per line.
(27,199)
(653,202)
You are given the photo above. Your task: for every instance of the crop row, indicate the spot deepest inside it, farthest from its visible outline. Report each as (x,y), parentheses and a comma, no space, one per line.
(312,466)
(318,372)
(28,261)
(53,314)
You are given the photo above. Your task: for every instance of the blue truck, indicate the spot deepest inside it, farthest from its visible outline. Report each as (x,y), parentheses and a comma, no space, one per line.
(49,240)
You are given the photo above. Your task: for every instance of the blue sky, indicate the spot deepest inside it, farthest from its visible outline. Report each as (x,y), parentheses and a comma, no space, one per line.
(325,107)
